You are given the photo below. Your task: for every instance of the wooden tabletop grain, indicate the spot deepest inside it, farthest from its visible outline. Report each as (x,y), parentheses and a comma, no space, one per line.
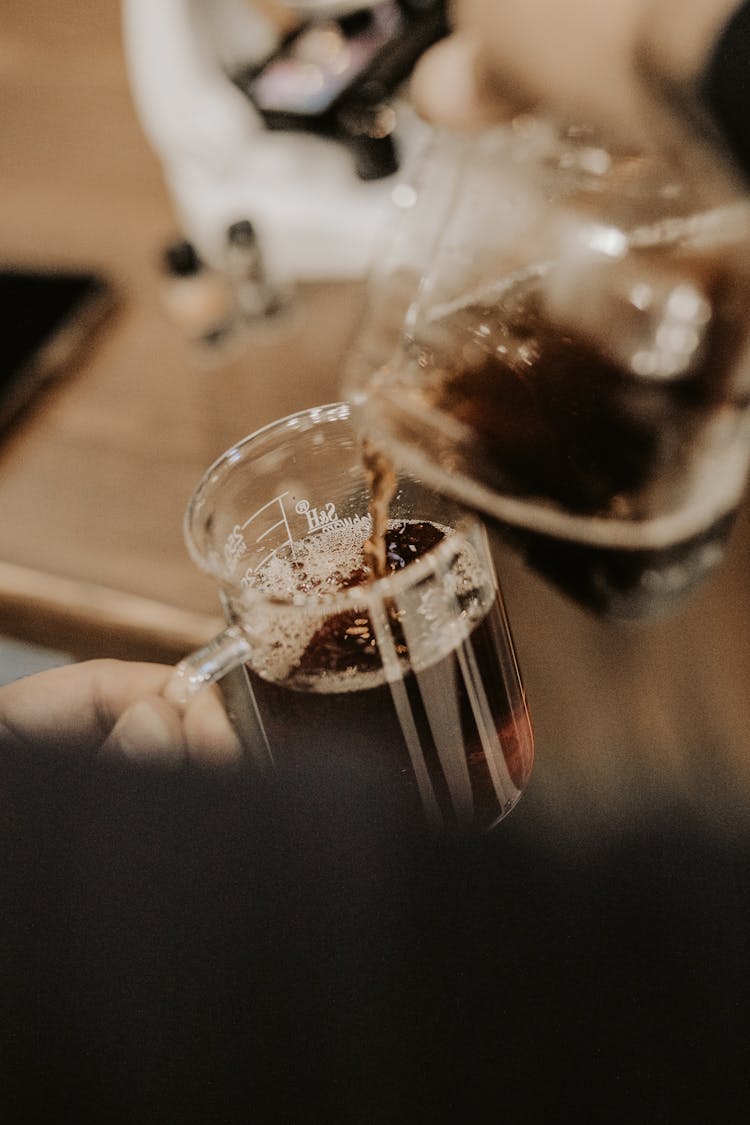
(95,477)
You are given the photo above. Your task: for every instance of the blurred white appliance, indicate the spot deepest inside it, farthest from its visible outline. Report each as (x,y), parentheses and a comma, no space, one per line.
(280,143)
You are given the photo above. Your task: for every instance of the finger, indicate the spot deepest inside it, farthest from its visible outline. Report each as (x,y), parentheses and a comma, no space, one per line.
(152,731)
(148,732)
(450,86)
(208,733)
(74,707)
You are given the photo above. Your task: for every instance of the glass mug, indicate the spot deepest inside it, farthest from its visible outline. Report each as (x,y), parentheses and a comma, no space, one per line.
(559,339)
(412,677)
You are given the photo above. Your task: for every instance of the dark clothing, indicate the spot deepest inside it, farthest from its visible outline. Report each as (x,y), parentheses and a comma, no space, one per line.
(181,948)
(726,86)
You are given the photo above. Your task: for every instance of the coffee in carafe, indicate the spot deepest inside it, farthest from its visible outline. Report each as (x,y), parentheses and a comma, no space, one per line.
(579,375)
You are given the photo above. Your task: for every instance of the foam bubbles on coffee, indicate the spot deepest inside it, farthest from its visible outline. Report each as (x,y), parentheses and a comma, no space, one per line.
(318,646)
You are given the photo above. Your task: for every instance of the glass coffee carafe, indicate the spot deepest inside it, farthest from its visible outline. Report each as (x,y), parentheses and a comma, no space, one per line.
(558,338)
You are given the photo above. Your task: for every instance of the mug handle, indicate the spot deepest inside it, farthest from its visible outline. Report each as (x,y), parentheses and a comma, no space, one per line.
(206,665)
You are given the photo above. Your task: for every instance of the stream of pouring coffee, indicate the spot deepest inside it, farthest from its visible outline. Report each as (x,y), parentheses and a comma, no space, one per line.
(382,481)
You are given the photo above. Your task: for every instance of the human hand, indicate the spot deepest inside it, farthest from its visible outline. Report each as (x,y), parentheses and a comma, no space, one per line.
(608,65)
(569,56)
(117,708)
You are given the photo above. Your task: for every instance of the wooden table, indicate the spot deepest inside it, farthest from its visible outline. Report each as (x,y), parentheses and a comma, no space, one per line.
(94,480)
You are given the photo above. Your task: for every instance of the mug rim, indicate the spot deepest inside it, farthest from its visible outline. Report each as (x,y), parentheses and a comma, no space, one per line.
(362,594)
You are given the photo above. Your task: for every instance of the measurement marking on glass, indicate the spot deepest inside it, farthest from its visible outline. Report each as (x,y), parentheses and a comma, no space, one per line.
(282,522)
(279,523)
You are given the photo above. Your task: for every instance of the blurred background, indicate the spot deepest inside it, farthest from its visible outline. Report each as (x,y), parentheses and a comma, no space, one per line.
(96,472)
